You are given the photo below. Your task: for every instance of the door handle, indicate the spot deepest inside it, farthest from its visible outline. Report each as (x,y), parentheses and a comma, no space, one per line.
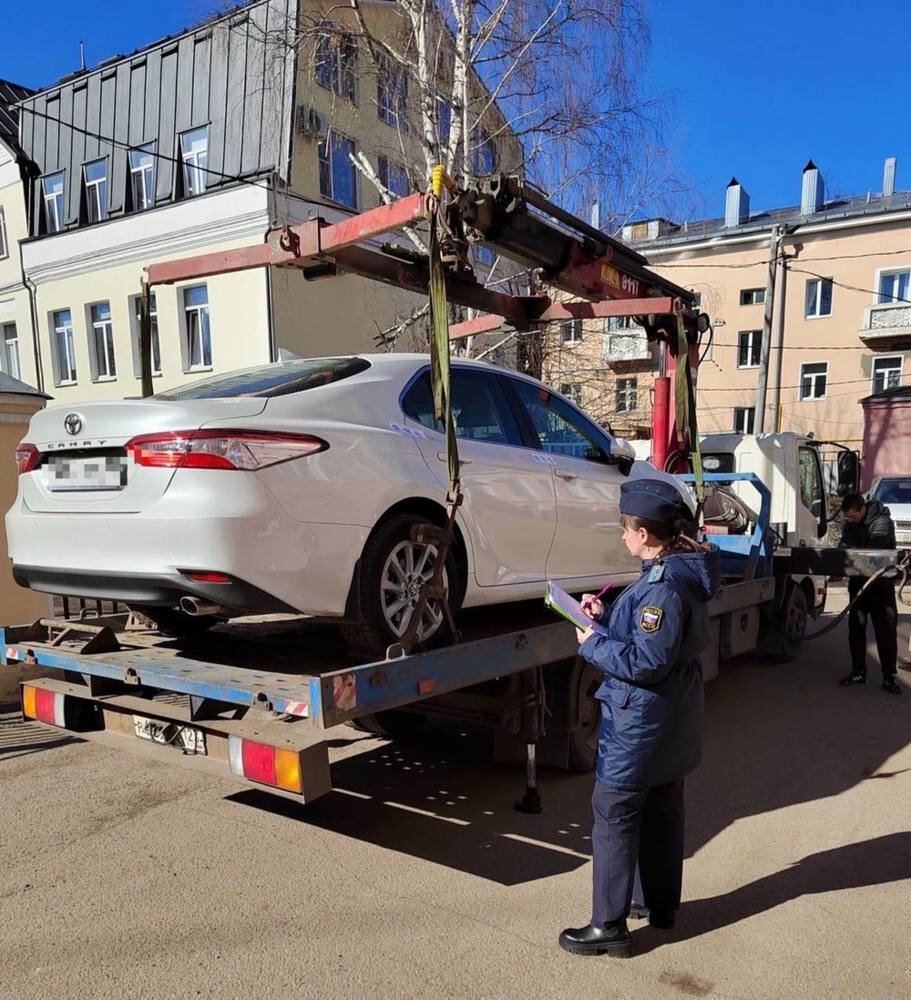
(441,455)
(564,474)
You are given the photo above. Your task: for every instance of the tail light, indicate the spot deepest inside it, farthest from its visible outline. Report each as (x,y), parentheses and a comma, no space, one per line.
(27,457)
(205,576)
(221,449)
(269,765)
(45,706)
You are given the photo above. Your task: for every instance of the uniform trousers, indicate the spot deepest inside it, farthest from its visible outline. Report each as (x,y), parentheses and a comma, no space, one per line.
(644,826)
(877,604)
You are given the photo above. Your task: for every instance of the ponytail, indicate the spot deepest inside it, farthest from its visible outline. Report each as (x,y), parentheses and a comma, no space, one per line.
(678,536)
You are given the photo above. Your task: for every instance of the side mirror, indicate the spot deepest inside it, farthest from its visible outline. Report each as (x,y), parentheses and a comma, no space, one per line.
(622,454)
(848,472)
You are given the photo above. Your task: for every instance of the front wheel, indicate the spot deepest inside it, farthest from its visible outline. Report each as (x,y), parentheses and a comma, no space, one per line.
(393,570)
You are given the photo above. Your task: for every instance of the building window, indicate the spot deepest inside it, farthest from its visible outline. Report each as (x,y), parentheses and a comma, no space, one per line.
(95,180)
(893,286)
(336,63)
(391,93)
(627,395)
(819,297)
(101,344)
(64,349)
(813,380)
(194,152)
(749,348)
(572,391)
(4,245)
(571,331)
(744,419)
(52,186)
(137,327)
(142,177)
(752,296)
(613,323)
(337,176)
(392,176)
(9,360)
(444,122)
(198,333)
(483,153)
(887,373)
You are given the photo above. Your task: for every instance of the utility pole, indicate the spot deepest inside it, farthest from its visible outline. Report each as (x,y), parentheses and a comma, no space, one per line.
(774,247)
(778,346)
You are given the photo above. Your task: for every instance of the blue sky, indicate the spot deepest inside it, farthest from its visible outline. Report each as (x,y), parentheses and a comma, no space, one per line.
(755,88)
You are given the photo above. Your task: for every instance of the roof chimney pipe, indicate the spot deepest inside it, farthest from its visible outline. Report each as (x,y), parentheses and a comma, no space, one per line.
(889,177)
(736,204)
(812,191)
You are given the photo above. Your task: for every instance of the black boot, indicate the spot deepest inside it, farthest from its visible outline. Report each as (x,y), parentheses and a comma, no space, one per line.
(612,939)
(890,684)
(638,911)
(662,919)
(853,678)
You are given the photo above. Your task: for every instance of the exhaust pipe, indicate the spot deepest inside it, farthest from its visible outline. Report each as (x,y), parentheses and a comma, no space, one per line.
(195,608)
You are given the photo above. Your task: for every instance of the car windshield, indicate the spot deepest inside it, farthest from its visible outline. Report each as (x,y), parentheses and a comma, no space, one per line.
(893,491)
(277,379)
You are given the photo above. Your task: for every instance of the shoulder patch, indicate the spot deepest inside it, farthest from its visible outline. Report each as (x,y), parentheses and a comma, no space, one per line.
(656,573)
(650,619)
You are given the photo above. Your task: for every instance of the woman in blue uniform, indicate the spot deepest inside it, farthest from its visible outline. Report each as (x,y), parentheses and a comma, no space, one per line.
(651,715)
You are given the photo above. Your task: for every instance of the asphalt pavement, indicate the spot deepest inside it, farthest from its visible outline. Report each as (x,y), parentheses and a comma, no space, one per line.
(127,876)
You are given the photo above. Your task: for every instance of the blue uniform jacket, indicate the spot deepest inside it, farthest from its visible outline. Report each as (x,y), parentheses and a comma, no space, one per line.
(651,695)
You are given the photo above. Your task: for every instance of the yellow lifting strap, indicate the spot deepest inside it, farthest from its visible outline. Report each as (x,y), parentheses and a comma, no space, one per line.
(439,337)
(685,408)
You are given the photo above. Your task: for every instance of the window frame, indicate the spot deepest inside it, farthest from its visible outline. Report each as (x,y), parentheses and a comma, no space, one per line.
(748,296)
(5,349)
(818,298)
(96,189)
(141,171)
(340,78)
(749,412)
(324,151)
(754,349)
(899,368)
(384,167)
(48,198)
(574,326)
(572,391)
(4,239)
(623,394)
(190,166)
(895,298)
(813,376)
(105,328)
(196,310)
(135,301)
(70,340)
(391,93)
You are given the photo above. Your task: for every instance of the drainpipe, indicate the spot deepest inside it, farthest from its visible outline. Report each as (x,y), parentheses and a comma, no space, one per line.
(33,310)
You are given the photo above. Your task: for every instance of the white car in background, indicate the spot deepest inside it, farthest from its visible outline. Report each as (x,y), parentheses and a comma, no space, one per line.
(895,493)
(293,487)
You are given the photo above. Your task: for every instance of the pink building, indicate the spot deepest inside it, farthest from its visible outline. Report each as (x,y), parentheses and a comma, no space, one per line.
(887,435)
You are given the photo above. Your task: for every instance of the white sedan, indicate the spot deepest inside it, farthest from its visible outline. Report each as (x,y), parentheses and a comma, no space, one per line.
(294,487)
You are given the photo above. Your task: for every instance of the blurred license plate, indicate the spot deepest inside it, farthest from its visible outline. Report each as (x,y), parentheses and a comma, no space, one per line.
(172,734)
(99,472)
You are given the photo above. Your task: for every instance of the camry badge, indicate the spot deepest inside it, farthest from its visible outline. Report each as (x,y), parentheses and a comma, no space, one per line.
(73,423)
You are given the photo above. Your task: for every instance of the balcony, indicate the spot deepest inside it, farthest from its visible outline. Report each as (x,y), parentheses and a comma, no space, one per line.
(887,326)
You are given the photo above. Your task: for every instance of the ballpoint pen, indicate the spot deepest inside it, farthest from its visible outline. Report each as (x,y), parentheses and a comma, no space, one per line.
(599,595)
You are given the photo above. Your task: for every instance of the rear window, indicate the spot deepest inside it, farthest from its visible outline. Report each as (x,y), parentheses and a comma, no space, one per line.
(893,491)
(278,379)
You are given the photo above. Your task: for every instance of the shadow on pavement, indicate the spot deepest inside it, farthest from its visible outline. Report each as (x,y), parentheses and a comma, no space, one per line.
(870,862)
(18,737)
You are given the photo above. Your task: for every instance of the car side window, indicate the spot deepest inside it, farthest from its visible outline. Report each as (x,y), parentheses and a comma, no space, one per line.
(479,409)
(557,427)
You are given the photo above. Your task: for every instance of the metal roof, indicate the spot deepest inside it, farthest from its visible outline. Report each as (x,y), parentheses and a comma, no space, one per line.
(9,384)
(10,94)
(898,394)
(833,210)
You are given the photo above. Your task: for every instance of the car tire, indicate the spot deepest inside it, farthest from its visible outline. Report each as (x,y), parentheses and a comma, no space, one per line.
(171,622)
(382,624)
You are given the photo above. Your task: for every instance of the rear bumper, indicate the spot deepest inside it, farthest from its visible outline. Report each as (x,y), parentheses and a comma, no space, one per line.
(147,589)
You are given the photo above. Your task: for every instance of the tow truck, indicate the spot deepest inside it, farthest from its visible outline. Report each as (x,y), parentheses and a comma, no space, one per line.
(254,699)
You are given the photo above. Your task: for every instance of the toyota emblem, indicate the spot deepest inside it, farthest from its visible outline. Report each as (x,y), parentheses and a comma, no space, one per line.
(73,423)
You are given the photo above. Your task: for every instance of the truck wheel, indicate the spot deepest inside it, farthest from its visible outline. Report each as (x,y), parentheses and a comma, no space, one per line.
(794,615)
(393,567)
(583,740)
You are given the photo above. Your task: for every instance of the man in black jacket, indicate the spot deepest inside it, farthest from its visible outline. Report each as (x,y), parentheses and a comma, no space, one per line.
(868,525)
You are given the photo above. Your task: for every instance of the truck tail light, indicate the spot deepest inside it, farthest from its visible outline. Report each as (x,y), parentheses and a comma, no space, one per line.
(45,706)
(27,457)
(269,765)
(221,449)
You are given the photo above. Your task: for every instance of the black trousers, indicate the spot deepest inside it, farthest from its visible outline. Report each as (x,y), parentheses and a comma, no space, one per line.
(877,604)
(644,826)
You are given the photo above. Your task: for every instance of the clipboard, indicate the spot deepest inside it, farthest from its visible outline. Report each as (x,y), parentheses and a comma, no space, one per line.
(569,608)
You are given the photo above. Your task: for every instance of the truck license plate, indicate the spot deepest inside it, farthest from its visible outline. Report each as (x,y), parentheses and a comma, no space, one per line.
(187,739)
